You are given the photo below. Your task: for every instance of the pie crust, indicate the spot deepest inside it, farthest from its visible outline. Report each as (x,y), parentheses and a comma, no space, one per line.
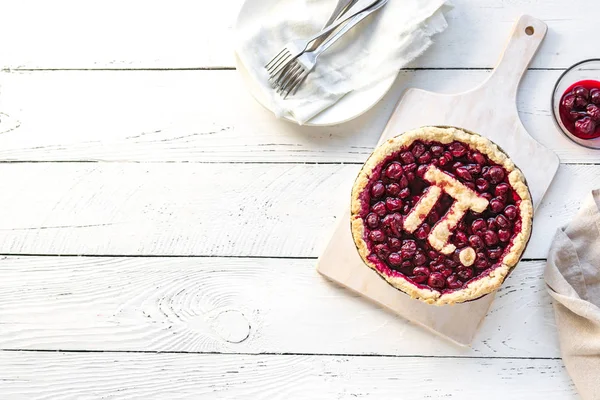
(465,199)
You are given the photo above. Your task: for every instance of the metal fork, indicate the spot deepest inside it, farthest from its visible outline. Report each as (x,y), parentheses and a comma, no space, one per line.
(341,7)
(296,72)
(294,48)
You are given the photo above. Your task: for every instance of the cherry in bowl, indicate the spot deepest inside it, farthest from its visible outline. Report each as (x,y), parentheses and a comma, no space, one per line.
(576,103)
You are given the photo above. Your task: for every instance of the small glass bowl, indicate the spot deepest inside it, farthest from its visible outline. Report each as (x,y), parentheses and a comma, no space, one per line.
(583,70)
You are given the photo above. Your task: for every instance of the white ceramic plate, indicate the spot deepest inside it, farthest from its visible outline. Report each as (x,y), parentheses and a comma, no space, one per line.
(348,107)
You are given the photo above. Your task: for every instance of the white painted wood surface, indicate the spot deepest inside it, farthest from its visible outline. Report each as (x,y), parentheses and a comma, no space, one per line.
(188,34)
(207,116)
(155,149)
(234,305)
(26,375)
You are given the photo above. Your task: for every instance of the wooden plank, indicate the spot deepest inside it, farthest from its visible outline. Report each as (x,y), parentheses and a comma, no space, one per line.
(231,305)
(189,34)
(275,210)
(208,116)
(34,375)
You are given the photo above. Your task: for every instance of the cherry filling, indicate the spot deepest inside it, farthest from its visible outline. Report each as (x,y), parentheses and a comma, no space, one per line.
(398,183)
(580,109)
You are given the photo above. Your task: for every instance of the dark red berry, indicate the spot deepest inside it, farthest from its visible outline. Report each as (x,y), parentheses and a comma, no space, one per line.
(420,258)
(510,212)
(407,157)
(457,149)
(412,167)
(445,159)
(393,204)
(594,112)
(450,263)
(446,271)
(372,220)
(585,127)
(422,170)
(403,182)
(502,190)
(490,238)
(437,150)
(495,254)
(474,169)
(378,189)
(502,221)
(475,241)
(395,259)
(377,236)
(463,173)
(421,271)
(481,262)
(425,158)
(422,232)
(393,224)
(460,239)
(393,189)
(496,204)
(395,244)
(409,248)
(436,280)
(404,193)
(478,158)
(407,265)
(580,102)
(482,184)
(382,251)
(491,224)
(478,225)
(394,170)
(581,91)
(418,149)
(568,102)
(453,282)
(595,96)
(379,208)
(504,235)
(465,273)
(496,174)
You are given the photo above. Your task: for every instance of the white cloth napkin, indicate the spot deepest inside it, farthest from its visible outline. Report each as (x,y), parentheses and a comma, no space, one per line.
(373,50)
(573,278)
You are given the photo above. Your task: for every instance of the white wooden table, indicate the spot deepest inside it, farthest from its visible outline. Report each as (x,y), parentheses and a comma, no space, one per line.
(159,229)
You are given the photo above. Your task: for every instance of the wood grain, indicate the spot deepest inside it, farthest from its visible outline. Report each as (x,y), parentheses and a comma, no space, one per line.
(190,376)
(183,34)
(231,305)
(208,116)
(272,210)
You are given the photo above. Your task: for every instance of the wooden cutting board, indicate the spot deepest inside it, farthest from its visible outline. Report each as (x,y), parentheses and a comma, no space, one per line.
(490,110)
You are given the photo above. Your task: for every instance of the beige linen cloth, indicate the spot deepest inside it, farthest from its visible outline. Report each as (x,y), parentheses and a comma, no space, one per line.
(573,278)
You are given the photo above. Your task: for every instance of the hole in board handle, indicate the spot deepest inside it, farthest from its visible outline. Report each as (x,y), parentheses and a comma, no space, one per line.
(529,30)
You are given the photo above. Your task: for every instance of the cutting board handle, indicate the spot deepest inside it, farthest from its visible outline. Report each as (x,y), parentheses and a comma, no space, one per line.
(525,39)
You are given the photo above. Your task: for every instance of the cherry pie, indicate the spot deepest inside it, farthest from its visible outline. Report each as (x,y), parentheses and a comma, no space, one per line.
(441,214)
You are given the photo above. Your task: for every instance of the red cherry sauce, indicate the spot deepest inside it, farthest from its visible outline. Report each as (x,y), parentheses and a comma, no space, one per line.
(580,109)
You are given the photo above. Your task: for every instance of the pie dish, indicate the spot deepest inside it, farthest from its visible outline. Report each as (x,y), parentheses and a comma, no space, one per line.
(441,214)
